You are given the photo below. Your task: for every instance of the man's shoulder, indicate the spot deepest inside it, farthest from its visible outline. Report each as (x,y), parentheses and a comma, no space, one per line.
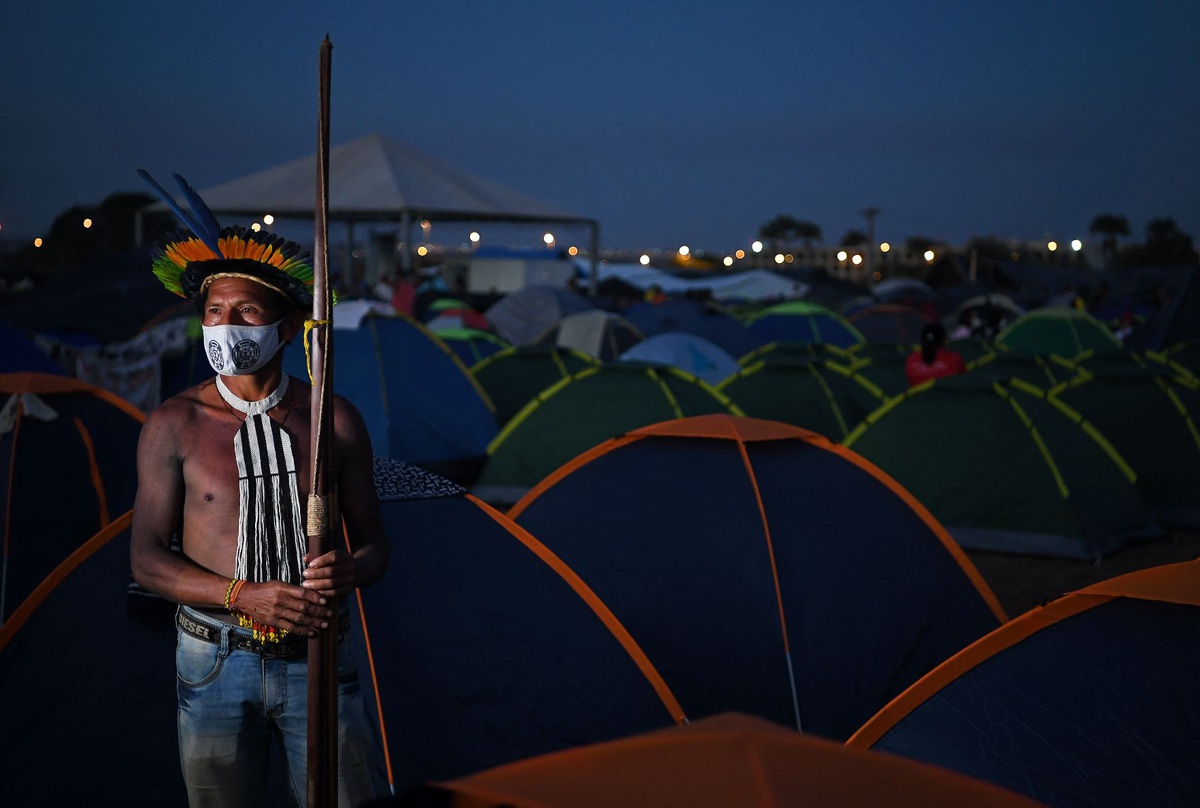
(181,406)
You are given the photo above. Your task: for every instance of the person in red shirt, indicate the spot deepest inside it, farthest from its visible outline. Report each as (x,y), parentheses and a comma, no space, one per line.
(934,360)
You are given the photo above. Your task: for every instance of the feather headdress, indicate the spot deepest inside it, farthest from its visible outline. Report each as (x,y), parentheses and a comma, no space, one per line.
(187,261)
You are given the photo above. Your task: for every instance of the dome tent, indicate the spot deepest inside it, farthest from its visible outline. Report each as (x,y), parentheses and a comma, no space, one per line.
(749,560)
(513,377)
(1005,468)
(1089,700)
(420,403)
(727,760)
(1061,330)
(802,321)
(583,410)
(483,648)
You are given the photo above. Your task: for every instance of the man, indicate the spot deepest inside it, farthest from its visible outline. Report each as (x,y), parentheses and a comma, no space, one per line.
(225,466)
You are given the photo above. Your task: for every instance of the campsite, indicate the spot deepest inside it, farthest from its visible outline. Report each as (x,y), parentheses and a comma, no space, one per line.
(663,509)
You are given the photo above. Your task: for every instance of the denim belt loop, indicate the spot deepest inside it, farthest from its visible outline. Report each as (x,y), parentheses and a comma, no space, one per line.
(223,650)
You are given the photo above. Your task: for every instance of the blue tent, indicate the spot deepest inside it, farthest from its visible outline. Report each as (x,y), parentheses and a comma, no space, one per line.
(688,352)
(20,354)
(484,648)
(419,401)
(1090,700)
(694,317)
(762,568)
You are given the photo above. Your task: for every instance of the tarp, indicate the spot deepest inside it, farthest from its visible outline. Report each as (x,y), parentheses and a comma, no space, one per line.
(688,352)
(67,468)
(1089,700)
(763,568)
(418,400)
(727,761)
(583,410)
(751,284)
(1007,469)
(514,376)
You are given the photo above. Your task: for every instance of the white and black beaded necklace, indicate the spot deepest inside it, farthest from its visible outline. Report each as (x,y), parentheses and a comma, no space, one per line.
(271,538)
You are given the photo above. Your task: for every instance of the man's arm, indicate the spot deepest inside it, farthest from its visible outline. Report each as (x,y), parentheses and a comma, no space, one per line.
(339,572)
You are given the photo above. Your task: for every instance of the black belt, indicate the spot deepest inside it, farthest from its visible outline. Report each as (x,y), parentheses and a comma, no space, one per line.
(208,629)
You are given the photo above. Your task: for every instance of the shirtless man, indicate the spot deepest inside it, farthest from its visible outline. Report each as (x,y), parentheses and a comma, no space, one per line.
(241,653)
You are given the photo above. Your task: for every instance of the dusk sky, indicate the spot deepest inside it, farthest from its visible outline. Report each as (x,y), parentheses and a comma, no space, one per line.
(670,122)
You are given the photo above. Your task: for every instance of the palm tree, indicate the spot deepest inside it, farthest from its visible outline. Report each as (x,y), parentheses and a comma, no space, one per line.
(1110,227)
(784,230)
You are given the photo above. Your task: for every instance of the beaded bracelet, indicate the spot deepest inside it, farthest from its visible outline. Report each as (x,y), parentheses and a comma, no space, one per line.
(229,593)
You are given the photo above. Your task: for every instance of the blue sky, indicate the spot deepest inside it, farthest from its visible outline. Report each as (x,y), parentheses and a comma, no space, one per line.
(670,122)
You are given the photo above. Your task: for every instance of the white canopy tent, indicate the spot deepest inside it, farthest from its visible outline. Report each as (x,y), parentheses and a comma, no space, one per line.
(376,178)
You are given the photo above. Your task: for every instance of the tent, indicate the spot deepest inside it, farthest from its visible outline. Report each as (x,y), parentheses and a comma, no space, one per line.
(419,401)
(1061,330)
(68,465)
(762,568)
(693,317)
(524,316)
(688,352)
(602,335)
(20,353)
(1006,468)
(378,178)
(484,647)
(821,395)
(487,647)
(727,761)
(1089,700)
(1152,421)
(584,409)
(471,345)
(889,322)
(513,377)
(802,321)
(1040,370)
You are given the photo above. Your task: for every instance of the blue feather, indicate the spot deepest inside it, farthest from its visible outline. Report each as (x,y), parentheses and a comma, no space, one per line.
(208,235)
(210,231)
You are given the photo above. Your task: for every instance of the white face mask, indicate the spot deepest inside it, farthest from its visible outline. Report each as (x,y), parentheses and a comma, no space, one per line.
(236,350)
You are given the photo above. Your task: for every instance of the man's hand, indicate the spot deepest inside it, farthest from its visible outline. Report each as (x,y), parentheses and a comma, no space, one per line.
(286,606)
(330,575)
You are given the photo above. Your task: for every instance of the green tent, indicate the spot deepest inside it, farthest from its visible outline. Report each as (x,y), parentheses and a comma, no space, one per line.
(584,410)
(1006,468)
(792,349)
(1151,418)
(1061,330)
(1040,370)
(514,376)
(821,395)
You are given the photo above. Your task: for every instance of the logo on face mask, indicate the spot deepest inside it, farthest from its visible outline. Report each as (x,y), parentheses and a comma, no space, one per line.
(245,354)
(215,356)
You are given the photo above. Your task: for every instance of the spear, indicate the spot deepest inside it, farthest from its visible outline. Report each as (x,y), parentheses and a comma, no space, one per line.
(322,649)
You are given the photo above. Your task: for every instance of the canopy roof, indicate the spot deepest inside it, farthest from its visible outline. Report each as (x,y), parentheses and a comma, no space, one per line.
(376,177)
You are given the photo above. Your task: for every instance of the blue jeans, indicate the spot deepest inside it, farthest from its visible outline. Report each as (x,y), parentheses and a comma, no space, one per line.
(231,704)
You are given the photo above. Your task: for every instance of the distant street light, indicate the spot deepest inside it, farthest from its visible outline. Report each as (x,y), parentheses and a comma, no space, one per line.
(757,246)
(685,251)
(549,239)
(1076,245)
(87,223)
(474,237)
(644,260)
(1051,245)
(841,256)
(929,256)
(268,219)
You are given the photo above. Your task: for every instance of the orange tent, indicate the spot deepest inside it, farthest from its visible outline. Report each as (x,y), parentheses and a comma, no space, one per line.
(1089,700)
(727,760)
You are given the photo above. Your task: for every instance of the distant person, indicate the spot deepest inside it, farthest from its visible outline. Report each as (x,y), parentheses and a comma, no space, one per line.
(404,294)
(655,294)
(934,360)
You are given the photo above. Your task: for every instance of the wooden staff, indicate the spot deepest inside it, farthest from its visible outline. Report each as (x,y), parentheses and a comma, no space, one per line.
(322,649)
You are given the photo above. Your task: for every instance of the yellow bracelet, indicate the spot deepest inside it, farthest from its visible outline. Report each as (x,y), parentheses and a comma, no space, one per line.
(229,593)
